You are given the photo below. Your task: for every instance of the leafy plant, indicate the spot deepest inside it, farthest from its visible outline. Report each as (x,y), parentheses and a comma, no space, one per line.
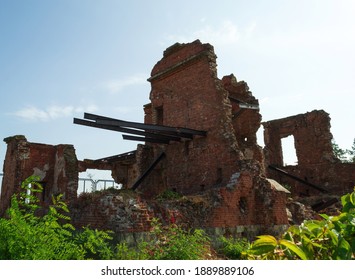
(233,248)
(174,243)
(168,195)
(124,252)
(26,235)
(331,238)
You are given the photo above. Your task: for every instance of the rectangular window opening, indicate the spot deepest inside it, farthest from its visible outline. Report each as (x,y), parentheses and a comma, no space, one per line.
(289,153)
(159,115)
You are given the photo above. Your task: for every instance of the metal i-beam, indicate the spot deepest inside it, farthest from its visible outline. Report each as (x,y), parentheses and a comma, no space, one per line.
(113,128)
(298,179)
(126,130)
(148,171)
(243,104)
(322,205)
(145,139)
(124,156)
(153,127)
(148,128)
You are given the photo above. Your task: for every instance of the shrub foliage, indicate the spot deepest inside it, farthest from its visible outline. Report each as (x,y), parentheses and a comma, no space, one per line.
(331,238)
(27,236)
(175,243)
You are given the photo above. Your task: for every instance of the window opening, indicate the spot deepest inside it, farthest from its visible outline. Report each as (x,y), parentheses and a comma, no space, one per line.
(95,180)
(28,193)
(243,205)
(289,154)
(159,115)
(260,137)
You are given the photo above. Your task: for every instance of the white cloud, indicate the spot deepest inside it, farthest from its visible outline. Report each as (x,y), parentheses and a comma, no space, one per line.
(116,86)
(32,113)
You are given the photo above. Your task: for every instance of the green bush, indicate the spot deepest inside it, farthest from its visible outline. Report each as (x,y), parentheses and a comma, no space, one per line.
(233,248)
(24,235)
(174,243)
(168,195)
(123,252)
(27,236)
(332,238)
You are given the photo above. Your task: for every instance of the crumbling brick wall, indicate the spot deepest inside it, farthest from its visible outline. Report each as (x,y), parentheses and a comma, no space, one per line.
(56,167)
(186,92)
(317,163)
(221,174)
(123,167)
(120,211)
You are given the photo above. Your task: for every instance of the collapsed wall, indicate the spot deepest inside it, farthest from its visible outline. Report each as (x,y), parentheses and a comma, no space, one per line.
(56,167)
(186,92)
(219,171)
(318,171)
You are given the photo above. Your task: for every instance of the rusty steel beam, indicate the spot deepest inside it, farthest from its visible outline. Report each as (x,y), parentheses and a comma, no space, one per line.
(145,139)
(322,205)
(298,179)
(148,171)
(127,130)
(153,127)
(120,157)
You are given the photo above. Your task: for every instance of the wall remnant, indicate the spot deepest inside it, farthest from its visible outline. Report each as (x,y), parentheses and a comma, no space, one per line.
(223,170)
(186,92)
(317,171)
(56,166)
(123,167)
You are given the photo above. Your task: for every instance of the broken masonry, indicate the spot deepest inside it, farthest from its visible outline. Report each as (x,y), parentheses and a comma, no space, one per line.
(198,139)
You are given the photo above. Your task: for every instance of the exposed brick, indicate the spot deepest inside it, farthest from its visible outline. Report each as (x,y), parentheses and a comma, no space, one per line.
(56,166)
(221,176)
(317,163)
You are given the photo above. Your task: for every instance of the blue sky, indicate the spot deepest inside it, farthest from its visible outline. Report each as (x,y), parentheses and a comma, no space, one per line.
(59,59)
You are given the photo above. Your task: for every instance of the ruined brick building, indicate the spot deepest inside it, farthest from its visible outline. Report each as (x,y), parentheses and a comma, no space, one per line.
(199,135)
(318,174)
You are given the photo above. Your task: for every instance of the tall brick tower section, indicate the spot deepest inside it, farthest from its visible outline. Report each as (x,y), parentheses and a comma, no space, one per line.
(186,92)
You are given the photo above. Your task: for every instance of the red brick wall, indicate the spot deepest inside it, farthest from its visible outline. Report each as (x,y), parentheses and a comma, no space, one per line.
(222,174)
(118,212)
(252,201)
(56,166)
(238,204)
(317,163)
(192,96)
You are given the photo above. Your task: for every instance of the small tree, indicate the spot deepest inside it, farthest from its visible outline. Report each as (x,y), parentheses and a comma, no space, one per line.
(339,152)
(344,155)
(351,152)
